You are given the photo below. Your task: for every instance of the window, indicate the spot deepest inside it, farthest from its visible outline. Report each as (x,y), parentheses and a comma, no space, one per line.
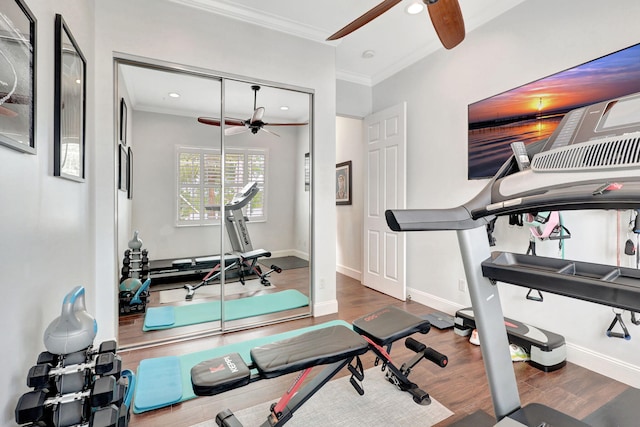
(200,186)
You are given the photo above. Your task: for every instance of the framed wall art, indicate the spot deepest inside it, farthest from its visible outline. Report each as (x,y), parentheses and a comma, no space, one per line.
(123,121)
(343,183)
(129,173)
(307,172)
(122,168)
(18,76)
(70,105)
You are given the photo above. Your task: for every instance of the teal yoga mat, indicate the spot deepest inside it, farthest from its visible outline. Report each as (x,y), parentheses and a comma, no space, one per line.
(163,381)
(174,316)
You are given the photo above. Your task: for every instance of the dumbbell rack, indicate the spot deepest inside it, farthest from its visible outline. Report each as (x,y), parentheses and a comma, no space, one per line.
(85,388)
(135,264)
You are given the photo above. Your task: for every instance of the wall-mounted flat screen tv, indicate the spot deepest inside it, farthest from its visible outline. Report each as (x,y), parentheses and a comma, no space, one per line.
(531,112)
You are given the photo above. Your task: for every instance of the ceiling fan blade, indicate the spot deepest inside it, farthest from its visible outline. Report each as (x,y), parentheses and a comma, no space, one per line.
(268,131)
(257,115)
(364,19)
(447,21)
(235,130)
(216,122)
(286,124)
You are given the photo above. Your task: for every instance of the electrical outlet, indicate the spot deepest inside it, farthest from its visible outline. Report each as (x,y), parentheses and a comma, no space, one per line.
(321,284)
(462,285)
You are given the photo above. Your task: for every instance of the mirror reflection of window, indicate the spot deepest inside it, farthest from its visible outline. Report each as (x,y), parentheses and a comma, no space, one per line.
(71,110)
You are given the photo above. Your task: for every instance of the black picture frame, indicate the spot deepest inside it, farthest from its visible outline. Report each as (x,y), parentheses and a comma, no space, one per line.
(122,168)
(123,122)
(70,105)
(343,183)
(129,173)
(18,69)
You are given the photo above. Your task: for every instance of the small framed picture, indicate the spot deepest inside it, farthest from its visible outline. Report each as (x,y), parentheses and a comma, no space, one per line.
(122,168)
(343,183)
(70,105)
(307,172)
(123,122)
(129,173)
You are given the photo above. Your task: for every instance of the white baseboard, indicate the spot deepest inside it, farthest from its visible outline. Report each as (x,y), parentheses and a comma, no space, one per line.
(605,365)
(325,308)
(433,301)
(589,359)
(348,271)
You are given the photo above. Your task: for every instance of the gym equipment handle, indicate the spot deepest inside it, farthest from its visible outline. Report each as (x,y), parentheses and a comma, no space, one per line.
(436,357)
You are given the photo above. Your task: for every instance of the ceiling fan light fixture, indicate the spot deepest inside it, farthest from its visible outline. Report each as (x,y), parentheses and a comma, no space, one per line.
(284,108)
(174,95)
(414,8)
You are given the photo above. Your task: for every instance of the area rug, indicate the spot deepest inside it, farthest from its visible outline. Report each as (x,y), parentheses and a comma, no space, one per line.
(213,291)
(338,404)
(286,262)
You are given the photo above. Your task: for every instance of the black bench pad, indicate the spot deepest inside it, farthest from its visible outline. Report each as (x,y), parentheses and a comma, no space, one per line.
(256,253)
(219,375)
(318,347)
(389,324)
(214,260)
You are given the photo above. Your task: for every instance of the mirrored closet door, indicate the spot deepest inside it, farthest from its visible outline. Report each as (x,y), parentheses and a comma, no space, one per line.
(214,202)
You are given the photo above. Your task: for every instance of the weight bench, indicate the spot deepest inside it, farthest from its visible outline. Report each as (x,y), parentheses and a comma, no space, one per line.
(246,263)
(215,263)
(334,346)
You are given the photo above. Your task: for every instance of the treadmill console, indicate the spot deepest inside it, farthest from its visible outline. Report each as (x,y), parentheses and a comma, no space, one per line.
(610,118)
(591,161)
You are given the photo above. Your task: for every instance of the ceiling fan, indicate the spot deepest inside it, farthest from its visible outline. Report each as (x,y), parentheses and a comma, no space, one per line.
(253,124)
(446,18)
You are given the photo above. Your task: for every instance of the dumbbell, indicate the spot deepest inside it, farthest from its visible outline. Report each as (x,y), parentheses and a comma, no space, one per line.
(127,253)
(110,416)
(71,408)
(72,374)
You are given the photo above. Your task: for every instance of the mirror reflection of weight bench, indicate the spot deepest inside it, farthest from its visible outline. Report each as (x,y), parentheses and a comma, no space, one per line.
(244,258)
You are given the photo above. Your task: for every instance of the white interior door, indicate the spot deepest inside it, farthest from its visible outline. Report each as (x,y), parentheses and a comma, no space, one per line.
(384,263)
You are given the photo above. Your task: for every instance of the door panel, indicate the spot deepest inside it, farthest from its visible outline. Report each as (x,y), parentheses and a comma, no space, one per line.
(385,138)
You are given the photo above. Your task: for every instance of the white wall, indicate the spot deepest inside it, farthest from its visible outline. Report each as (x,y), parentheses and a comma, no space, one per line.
(531,41)
(352,99)
(350,146)
(46,222)
(169,32)
(154,205)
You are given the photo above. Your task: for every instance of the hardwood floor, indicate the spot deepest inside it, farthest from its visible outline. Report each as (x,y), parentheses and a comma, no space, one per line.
(461,386)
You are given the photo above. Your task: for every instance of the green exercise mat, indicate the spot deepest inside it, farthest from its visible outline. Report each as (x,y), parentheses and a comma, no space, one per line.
(163,381)
(190,314)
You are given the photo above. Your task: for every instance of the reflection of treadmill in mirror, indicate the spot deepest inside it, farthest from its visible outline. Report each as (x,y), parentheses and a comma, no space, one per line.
(244,258)
(591,161)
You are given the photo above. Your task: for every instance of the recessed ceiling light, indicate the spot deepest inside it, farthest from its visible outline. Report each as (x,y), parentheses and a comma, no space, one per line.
(174,94)
(367,54)
(414,8)
(284,108)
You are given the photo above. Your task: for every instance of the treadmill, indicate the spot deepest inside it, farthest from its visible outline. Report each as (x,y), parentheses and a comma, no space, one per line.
(591,161)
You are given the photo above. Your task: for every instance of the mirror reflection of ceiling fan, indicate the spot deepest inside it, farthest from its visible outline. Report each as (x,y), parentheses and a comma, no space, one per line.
(253,124)
(446,18)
